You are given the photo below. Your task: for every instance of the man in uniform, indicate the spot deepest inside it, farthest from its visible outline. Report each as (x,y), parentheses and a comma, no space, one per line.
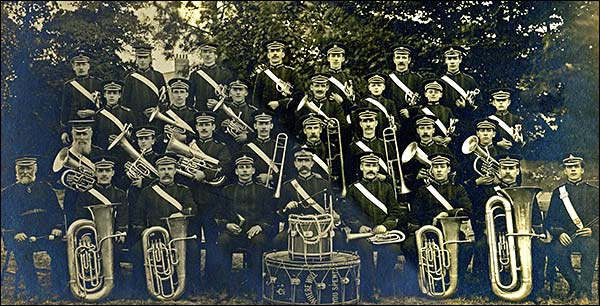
(572,220)
(317,101)
(444,118)
(372,207)
(404,85)
(486,131)
(239,106)
(312,127)
(32,220)
(367,142)
(340,79)
(510,131)
(247,219)
(208,83)
(80,95)
(386,108)
(111,118)
(144,88)
(261,149)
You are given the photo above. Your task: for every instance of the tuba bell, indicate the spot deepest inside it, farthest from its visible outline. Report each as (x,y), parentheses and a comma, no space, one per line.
(90,254)
(164,258)
(192,159)
(438,257)
(484,164)
(392,155)
(508,249)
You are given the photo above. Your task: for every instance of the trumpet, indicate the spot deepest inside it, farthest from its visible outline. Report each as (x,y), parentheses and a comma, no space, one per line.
(193,159)
(393,236)
(280,147)
(333,130)
(393,159)
(484,164)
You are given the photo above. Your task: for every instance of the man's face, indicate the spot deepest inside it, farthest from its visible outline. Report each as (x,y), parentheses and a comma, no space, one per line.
(275,56)
(574,173)
(209,57)
(433,95)
(319,89)
(501,104)
(453,62)
(179,96)
(369,170)
(508,174)
(335,60)
(143,61)
(166,173)
(205,129)
(313,132)
(26,174)
(425,132)
(238,94)
(245,172)
(112,96)
(146,142)
(486,136)
(81,68)
(376,89)
(304,165)
(82,140)
(104,175)
(263,128)
(440,172)
(368,126)
(401,60)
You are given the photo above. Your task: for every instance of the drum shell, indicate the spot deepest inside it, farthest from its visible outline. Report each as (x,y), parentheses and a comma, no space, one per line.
(302,229)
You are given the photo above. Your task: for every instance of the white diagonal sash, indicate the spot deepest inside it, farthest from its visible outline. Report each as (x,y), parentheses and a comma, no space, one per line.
(167,197)
(83,91)
(371,197)
(273,77)
(311,107)
(507,128)
(366,148)
(99,196)
(83,159)
(147,82)
(438,122)
(378,105)
(263,156)
(455,85)
(564,196)
(113,119)
(208,79)
(337,84)
(436,194)
(304,195)
(402,86)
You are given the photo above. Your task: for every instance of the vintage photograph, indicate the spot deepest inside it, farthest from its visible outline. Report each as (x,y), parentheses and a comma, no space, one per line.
(300,152)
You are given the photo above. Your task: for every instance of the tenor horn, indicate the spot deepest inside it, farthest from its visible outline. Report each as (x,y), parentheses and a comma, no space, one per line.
(192,159)
(484,164)
(413,151)
(510,251)
(90,254)
(392,156)
(239,126)
(140,167)
(172,119)
(393,236)
(67,158)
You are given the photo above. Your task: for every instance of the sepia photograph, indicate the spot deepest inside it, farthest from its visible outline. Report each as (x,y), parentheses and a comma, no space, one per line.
(300,152)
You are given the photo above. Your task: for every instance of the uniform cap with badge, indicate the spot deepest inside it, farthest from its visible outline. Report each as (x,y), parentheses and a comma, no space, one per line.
(81,125)
(509,160)
(572,159)
(112,85)
(179,83)
(205,116)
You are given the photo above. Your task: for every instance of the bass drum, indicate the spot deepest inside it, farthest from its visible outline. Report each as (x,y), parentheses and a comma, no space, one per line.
(335,282)
(310,237)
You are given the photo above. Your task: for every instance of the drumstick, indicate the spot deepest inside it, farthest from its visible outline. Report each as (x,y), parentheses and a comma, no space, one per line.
(310,197)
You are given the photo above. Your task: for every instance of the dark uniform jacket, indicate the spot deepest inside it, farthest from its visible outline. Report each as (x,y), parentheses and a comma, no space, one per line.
(389,105)
(138,96)
(73,100)
(375,144)
(466,114)
(105,127)
(585,201)
(244,111)
(425,206)
(359,211)
(31,209)
(329,107)
(201,90)
(267,146)
(311,184)
(411,168)
(511,120)
(151,207)
(441,112)
(114,195)
(346,79)
(393,92)
(251,201)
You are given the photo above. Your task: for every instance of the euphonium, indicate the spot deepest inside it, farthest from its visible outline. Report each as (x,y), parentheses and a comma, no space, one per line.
(79,175)
(438,257)
(164,258)
(392,155)
(77,180)
(192,159)
(333,129)
(90,254)
(484,164)
(236,125)
(140,167)
(393,236)
(277,163)
(514,207)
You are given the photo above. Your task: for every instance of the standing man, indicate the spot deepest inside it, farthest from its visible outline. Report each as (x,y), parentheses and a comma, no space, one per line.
(209,82)
(511,126)
(573,222)
(341,81)
(444,118)
(261,149)
(111,118)
(404,85)
(367,142)
(239,106)
(317,101)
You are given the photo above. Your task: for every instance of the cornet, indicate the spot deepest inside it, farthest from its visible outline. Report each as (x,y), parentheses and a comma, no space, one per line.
(412,99)
(349,90)
(393,236)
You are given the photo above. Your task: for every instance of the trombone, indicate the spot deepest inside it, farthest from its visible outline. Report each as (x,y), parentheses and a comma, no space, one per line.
(393,159)
(333,130)
(277,166)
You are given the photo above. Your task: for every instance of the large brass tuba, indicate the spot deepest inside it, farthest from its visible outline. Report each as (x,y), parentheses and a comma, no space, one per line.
(392,156)
(438,257)
(192,159)
(334,134)
(484,164)
(90,254)
(511,248)
(164,258)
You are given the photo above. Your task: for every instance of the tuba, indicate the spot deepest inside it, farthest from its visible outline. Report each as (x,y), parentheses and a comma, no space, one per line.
(277,166)
(392,155)
(484,164)
(90,254)
(164,258)
(393,236)
(192,159)
(438,257)
(512,247)
(333,131)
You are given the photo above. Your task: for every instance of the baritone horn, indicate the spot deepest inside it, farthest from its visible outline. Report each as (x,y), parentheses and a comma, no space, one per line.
(140,167)
(90,254)
(171,118)
(392,155)
(277,162)
(438,257)
(484,164)
(510,251)
(393,236)
(192,159)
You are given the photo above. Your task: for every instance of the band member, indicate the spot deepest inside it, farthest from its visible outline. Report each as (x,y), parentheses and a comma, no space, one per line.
(572,220)
(375,99)
(368,142)
(317,101)
(162,198)
(246,219)
(208,83)
(403,85)
(239,106)
(111,117)
(439,199)
(341,82)
(144,88)
(372,207)
(80,95)
(32,220)
(444,119)
(277,86)
(261,149)
(312,127)
(486,131)
(178,110)
(510,126)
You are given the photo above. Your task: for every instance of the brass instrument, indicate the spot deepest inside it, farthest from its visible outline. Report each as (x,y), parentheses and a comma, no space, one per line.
(513,210)
(349,90)
(392,156)
(412,100)
(451,126)
(470,98)
(140,167)
(77,180)
(484,164)
(333,129)
(413,151)
(393,236)
(518,133)
(438,257)
(172,119)
(90,254)
(164,258)
(192,159)
(277,166)
(235,125)
(79,175)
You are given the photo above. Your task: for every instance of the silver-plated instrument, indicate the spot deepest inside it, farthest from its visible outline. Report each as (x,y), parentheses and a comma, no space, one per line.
(393,236)
(235,126)
(484,164)
(192,159)
(277,162)
(334,134)
(392,156)
(140,167)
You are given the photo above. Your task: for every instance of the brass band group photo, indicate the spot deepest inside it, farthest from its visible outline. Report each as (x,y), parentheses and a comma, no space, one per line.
(332,192)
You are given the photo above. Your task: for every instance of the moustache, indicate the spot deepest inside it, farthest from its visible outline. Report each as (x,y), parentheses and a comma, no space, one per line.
(304,168)
(166,176)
